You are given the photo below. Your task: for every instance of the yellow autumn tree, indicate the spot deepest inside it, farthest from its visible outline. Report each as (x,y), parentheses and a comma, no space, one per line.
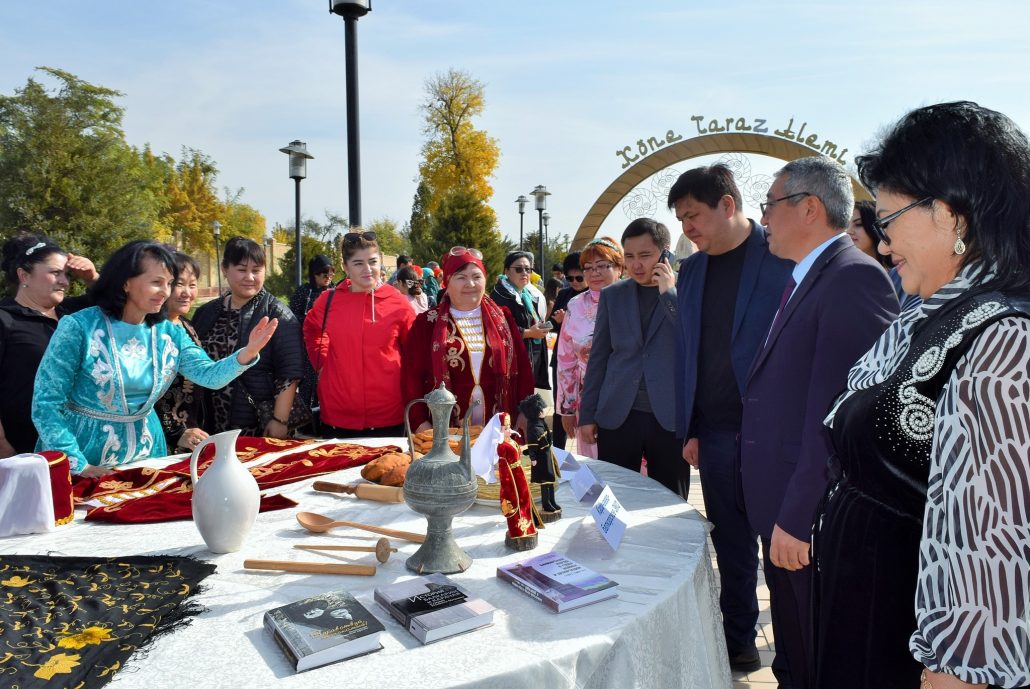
(456,156)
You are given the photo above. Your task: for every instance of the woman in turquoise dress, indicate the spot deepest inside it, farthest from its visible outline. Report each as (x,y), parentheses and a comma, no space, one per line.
(106,366)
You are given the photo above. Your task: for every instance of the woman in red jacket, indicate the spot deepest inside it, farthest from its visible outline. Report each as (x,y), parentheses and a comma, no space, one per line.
(355,348)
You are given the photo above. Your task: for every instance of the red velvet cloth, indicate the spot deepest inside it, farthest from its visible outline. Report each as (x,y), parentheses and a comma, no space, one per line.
(142,495)
(61,486)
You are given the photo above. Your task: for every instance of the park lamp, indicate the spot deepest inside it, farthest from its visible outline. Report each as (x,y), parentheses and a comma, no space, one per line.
(547,220)
(350,8)
(298,152)
(522,201)
(540,194)
(217,229)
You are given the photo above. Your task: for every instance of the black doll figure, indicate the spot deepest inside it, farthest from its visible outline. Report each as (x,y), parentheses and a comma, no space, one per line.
(544,471)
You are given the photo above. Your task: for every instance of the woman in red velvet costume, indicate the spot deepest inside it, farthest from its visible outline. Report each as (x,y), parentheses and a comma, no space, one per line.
(466,343)
(516,502)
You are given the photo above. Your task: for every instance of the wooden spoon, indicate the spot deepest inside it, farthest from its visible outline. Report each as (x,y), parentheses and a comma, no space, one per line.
(320,524)
(382,548)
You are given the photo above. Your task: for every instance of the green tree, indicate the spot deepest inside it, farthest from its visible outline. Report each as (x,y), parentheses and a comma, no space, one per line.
(465,220)
(67,171)
(283,283)
(418,231)
(556,248)
(456,155)
(390,239)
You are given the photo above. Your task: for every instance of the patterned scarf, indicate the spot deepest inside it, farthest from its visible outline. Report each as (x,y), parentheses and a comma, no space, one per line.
(498,339)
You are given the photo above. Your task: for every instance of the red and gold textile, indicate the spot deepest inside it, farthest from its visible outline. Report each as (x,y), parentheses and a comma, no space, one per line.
(516,502)
(144,495)
(61,486)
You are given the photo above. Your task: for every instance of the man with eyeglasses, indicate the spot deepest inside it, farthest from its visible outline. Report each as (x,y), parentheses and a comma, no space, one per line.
(728,292)
(576,284)
(837,302)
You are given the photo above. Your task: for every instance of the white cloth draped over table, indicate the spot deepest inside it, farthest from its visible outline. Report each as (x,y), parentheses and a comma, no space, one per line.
(662,632)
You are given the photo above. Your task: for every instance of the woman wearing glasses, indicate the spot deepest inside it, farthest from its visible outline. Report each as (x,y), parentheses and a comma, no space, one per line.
(468,343)
(353,335)
(921,547)
(514,293)
(602,264)
(410,284)
(861,233)
(225,322)
(577,283)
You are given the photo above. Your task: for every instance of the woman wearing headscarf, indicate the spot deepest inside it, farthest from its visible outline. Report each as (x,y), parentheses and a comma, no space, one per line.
(922,545)
(526,305)
(37,274)
(468,343)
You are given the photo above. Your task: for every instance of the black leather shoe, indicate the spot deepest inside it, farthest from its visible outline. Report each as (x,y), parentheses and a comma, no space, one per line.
(747,660)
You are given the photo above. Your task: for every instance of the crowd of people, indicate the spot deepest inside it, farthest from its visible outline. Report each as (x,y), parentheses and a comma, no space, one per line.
(851,380)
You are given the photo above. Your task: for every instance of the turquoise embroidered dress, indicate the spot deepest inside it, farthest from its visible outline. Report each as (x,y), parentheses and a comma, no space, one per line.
(99,380)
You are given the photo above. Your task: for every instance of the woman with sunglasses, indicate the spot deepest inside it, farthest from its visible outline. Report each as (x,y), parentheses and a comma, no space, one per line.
(353,336)
(225,322)
(468,343)
(921,547)
(862,220)
(577,283)
(602,263)
(526,304)
(409,283)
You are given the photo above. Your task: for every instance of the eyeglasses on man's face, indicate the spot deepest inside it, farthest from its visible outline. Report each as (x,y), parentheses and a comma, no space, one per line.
(769,204)
(599,267)
(879,226)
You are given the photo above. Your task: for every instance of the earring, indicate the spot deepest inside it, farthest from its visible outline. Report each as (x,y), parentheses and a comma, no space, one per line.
(960,246)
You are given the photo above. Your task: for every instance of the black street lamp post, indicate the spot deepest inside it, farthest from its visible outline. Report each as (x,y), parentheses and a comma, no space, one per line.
(351,11)
(541,194)
(298,152)
(521,201)
(218,259)
(547,226)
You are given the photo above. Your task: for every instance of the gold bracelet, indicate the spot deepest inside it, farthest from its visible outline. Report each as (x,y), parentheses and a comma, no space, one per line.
(924,683)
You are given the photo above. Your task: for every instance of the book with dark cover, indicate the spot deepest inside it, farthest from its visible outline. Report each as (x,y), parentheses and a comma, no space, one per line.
(433,607)
(558,582)
(323,629)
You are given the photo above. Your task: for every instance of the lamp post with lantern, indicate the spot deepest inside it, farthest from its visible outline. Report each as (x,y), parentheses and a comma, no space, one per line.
(217,231)
(351,11)
(540,195)
(298,152)
(521,201)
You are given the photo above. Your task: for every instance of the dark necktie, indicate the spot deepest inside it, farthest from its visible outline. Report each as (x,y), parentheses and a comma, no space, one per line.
(787,291)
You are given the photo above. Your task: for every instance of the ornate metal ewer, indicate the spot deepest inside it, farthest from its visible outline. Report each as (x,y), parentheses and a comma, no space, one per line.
(440,485)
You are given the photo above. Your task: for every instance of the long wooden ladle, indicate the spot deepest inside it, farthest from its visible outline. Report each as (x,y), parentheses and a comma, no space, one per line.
(320,524)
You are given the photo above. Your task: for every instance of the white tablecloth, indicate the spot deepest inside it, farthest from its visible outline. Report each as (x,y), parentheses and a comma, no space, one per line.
(663,631)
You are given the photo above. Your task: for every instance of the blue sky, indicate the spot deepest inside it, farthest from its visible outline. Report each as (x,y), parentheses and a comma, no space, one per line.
(568,83)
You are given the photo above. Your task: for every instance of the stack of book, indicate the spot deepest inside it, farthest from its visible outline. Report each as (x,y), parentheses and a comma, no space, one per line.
(433,607)
(558,582)
(324,629)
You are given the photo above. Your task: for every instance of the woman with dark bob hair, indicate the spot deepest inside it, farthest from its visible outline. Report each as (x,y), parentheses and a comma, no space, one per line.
(261,400)
(36,273)
(514,292)
(107,365)
(922,545)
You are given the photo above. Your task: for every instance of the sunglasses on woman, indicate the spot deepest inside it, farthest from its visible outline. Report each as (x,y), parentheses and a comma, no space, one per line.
(411,283)
(879,226)
(352,237)
(461,251)
(522,269)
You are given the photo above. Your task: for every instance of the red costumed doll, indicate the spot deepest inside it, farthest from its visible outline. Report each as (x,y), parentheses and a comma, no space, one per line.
(516,502)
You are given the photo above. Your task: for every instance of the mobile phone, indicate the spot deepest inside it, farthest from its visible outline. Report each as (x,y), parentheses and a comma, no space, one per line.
(668,257)
(545,325)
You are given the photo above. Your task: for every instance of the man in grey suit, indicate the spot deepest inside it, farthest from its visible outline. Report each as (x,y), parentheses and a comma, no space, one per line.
(837,302)
(629,395)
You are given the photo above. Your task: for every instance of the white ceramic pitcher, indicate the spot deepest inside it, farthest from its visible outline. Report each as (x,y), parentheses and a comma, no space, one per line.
(226,498)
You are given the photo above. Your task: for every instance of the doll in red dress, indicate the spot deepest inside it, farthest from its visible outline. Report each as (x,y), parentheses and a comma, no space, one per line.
(516,502)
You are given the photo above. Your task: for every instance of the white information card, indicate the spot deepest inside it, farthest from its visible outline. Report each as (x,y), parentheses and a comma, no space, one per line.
(610,517)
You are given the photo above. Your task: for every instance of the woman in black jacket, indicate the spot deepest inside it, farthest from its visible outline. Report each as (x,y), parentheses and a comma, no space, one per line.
(511,291)
(227,321)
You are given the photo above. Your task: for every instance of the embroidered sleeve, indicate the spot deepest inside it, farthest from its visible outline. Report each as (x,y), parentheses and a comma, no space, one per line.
(973,589)
(196,365)
(55,378)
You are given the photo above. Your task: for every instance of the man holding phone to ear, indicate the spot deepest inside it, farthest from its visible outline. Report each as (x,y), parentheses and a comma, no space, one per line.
(628,402)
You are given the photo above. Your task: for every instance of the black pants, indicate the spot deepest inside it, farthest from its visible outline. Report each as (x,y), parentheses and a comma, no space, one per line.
(736,543)
(558,435)
(790,602)
(381,432)
(640,436)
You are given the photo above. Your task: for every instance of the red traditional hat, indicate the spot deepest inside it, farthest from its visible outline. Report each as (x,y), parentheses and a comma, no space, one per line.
(458,257)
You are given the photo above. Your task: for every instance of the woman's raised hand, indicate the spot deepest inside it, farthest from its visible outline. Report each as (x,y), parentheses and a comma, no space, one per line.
(259,337)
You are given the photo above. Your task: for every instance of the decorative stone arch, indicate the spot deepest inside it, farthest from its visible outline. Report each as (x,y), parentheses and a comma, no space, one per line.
(711,144)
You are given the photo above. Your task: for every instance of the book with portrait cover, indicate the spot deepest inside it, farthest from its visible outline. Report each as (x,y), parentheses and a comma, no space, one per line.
(433,607)
(558,582)
(324,629)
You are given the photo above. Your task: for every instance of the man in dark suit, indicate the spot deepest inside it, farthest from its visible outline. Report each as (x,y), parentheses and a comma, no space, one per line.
(728,292)
(629,399)
(837,302)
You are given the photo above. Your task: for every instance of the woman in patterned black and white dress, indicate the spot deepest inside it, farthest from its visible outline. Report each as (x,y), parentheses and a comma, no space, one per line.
(922,546)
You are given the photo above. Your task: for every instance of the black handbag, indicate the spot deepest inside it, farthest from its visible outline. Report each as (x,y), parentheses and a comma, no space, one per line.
(300,412)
